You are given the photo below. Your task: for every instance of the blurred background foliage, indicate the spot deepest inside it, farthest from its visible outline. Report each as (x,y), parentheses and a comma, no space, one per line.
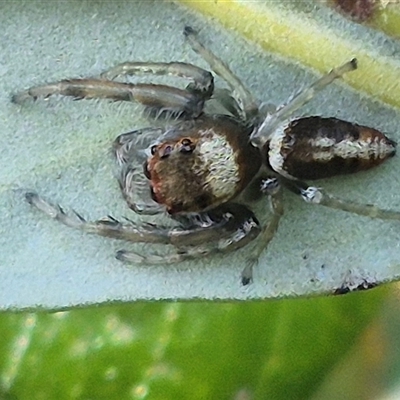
(338,347)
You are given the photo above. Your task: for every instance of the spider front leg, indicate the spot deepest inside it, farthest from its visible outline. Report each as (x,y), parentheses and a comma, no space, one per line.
(272,188)
(210,235)
(203,81)
(107,226)
(160,98)
(314,195)
(225,229)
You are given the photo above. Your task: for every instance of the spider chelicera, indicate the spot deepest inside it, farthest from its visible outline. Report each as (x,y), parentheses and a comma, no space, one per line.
(202,167)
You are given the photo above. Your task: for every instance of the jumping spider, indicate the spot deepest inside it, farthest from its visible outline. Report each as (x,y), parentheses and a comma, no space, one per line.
(199,168)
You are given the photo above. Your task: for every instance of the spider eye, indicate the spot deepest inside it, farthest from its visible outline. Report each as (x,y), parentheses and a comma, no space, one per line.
(153,149)
(187,146)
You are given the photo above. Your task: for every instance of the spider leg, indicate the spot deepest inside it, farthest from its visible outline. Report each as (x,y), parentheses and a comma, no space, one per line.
(107,226)
(283,113)
(314,195)
(224,97)
(231,227)
(129,151)
(156,97)
(132,257)
(209,239)
(132,183)
(272,188)
(246,102)
(130,146)
(203,81)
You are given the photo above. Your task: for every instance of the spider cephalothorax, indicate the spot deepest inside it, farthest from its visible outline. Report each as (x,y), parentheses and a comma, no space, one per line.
(203,164)
(199,166)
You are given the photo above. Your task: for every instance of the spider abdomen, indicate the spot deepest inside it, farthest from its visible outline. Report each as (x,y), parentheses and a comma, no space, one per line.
(201,164)
(316,147)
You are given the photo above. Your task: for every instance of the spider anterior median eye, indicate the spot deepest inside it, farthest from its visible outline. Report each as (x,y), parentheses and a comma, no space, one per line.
(187,146)
(186,142)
